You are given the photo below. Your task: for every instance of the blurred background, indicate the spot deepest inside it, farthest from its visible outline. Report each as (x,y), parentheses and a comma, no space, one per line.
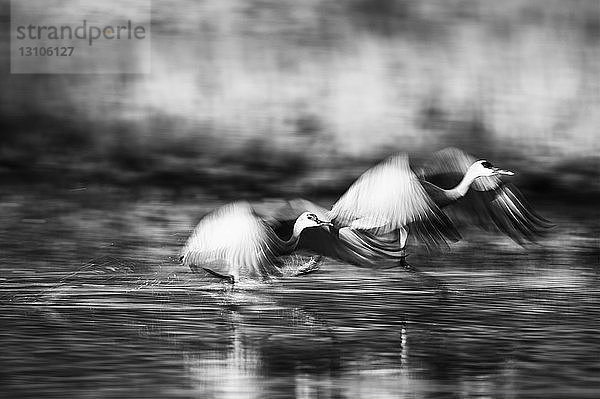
(102,178)
(297,98)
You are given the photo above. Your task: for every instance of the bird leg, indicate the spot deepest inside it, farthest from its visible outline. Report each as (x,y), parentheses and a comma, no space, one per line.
(309,267)
(404,264)
(229,278)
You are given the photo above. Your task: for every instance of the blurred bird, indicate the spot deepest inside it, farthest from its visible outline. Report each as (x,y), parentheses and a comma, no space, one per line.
(373,219)
(490,203)
(233,242)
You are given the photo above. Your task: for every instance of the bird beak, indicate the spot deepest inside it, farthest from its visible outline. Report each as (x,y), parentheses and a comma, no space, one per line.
(323,223)
(503,172)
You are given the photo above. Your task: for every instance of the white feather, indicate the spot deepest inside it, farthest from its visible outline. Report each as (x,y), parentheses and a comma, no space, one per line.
(233,239)
(386,197)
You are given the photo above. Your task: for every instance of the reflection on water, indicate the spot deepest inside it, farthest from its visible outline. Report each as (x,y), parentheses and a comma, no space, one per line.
(131,323)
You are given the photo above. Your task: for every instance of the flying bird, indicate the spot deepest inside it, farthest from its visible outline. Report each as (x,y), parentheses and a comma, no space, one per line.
(487,202)
(232,242)
(374,217)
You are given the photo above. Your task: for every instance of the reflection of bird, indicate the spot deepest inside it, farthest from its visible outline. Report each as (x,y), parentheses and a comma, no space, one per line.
(389,201)
(233,242)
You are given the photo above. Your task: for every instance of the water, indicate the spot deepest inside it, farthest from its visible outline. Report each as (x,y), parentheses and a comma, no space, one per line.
(94,305)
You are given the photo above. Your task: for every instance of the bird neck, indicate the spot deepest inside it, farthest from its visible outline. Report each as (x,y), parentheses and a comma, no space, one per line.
(296,232)
(463,187)
(290,245)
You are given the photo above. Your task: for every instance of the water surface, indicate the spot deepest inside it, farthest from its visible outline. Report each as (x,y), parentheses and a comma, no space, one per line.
(93,304)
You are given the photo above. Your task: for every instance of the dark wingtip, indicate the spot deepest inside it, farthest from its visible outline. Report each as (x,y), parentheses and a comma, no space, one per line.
(544,222)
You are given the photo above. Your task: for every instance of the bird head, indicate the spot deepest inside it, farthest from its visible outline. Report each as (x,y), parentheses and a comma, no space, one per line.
(484,168)
(308,220)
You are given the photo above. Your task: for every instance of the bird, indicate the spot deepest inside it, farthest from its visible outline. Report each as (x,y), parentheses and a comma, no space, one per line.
(233,242)
(488,202)
(374,217)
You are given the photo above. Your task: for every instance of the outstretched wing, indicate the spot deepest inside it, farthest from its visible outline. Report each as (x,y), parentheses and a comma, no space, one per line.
(388,197)
(232,240)
(360,248)
(490,204)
